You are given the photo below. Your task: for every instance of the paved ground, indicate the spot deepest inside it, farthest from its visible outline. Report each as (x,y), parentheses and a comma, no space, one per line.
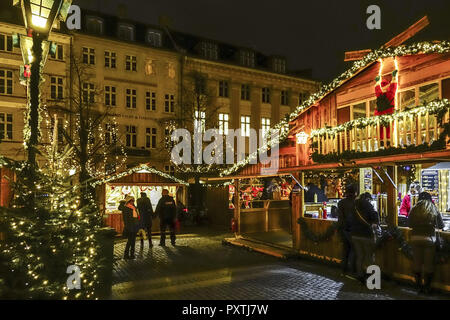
(200,267)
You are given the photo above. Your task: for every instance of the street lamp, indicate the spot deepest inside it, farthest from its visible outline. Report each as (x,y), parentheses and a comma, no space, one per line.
(39,17)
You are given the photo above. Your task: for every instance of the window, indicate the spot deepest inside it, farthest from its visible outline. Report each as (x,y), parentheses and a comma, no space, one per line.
(247,58)
(169,103)
(6,43)
(94,25)
(59,53)
(110,96)
(302,96)
(131,98)
(126,32)
(279,65)
(154,38)
(168,138)
(284,98)
(359,111)
(150,139)
(199,121)
(131,63)
(223,89)
(150,101)
(265,126)
(88,92)
(169,169)
(131,136)
(223,123)
(245,92)
(110,134)
(110,59)
(6,81)
(428,93)
(56,88)
(6,126)
(88,55)
(372,107)
(245,125)
(266,95)
(209,50)
(407,99)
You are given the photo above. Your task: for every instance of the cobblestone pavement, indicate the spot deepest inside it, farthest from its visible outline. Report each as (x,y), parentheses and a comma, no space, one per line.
(200,267)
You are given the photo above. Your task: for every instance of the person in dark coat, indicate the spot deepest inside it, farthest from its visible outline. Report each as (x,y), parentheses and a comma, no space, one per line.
(363,220)
(167,212)
(345,209)
(145,208)
(130,219)
(423,219)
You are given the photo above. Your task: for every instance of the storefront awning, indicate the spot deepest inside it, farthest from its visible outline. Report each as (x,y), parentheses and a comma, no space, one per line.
(440,166)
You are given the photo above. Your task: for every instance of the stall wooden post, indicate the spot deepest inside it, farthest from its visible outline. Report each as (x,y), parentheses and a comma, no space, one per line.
(392,214)
(237,206)
(297,208)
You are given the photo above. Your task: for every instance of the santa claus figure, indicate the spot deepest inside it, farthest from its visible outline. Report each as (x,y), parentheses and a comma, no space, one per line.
(385,91)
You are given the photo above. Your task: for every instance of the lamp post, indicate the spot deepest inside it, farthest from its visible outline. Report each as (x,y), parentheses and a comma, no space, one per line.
(39,17)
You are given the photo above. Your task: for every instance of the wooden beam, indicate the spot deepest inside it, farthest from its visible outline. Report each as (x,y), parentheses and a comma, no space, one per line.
(396,41)
(408,33)
(356,55)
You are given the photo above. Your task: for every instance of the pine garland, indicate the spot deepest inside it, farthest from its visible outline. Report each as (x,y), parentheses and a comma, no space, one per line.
(316,238)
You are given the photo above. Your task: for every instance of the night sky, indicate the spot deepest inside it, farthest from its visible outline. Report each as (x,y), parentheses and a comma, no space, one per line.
(311,34)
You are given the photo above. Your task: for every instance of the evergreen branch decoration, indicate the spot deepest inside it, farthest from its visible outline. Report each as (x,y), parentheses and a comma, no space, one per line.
(316,238)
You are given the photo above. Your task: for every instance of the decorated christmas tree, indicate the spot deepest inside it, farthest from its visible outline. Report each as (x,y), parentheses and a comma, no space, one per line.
(48,237)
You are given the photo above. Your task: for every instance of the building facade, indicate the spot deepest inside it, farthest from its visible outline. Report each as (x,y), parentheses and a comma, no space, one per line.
(139,73)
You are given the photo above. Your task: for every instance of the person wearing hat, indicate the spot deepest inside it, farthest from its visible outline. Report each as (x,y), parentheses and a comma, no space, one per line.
(414,189)
(130,219)
(385,91)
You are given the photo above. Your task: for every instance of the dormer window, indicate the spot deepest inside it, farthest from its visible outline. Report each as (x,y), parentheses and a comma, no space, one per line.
(154,38)
(94,25)
(126,32)
(210,50)
(279,65)
(247,58)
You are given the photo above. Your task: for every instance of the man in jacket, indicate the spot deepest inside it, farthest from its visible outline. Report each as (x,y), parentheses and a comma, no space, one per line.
(167,212)
(145,208)
(130,219)
(363,219)
(346,207)
(423,219)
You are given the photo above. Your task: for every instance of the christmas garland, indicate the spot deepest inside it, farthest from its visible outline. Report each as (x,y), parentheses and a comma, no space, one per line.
(352,154)
(283,126)
(438,107)
(136,169)
(442,256)
(316,238)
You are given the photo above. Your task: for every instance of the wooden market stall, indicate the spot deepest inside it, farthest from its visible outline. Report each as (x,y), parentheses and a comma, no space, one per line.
(345,138)
(113,188)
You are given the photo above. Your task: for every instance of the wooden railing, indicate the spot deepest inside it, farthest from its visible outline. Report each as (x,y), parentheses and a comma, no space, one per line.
(402,131)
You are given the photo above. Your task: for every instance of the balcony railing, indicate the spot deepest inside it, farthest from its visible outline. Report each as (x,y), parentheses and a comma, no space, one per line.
(413,127)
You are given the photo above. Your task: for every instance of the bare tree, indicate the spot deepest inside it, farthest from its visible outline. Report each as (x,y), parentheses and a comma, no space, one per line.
(90,127)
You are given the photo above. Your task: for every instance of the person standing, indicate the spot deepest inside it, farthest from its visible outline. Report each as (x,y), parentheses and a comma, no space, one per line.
(414,189)
(130,219)
(145,208)
(423,219)
(345,210)
(167,212)
(362,223)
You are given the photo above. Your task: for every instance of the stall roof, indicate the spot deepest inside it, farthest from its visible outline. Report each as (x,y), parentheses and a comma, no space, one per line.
(440,166)
(143,168)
